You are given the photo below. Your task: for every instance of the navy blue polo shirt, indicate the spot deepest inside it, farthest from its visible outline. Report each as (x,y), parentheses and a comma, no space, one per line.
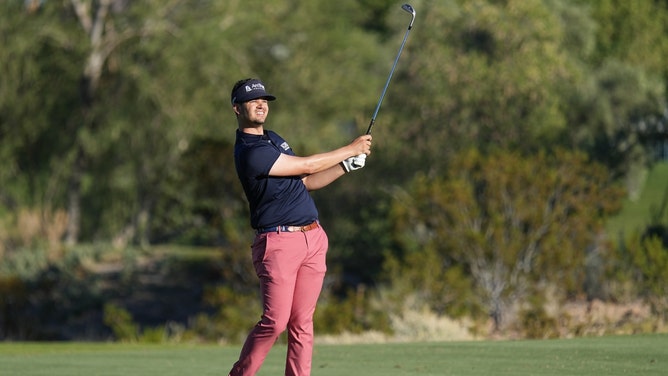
(273,200)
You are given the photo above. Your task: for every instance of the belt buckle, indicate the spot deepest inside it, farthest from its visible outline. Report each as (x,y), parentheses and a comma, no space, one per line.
(308,227)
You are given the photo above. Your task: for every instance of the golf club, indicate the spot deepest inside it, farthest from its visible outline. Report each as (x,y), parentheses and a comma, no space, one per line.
(408,8)
(360,160)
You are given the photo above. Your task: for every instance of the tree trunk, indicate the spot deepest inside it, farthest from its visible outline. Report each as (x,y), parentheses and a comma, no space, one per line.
(74,199)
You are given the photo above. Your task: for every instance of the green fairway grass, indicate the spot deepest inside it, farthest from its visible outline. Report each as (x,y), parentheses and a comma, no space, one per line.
(610,356)
(637,214)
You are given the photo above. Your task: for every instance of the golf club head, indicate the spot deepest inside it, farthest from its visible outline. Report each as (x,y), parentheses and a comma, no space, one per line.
(408,8)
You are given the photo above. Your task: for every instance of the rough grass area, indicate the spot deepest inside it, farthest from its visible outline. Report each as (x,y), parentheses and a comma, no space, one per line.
(610,356)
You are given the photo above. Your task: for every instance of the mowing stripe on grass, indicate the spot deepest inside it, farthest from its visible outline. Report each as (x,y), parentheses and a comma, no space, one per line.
(610,356)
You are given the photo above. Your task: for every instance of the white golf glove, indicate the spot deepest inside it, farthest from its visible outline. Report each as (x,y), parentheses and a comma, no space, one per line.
(360,160)
(354,163)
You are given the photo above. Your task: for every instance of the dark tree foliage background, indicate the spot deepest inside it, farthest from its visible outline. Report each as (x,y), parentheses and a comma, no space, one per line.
(510,132)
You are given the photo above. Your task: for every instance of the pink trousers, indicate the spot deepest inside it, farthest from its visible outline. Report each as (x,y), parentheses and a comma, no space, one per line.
(291,268)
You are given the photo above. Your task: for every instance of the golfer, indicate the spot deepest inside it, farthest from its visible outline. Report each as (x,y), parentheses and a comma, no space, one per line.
(290,245)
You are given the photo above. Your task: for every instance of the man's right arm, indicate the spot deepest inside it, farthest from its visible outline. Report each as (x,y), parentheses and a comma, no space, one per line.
(288,165)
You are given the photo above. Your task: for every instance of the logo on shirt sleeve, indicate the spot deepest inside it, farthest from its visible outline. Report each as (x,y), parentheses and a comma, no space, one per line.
(285,146)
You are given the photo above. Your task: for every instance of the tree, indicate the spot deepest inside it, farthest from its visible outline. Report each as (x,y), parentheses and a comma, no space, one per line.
(478,80)
(625,87)
(514,224)
(632,32)
(34,63)
(107,25)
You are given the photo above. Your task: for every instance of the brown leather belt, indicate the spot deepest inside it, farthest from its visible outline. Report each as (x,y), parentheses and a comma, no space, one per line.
(308,227)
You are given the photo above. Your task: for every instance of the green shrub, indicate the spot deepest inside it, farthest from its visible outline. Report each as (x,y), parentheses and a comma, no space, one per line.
(14,298)
(537,324)
(335,316)
(354,313)
(649,258)
(120,322)
(156,334)
(236,314)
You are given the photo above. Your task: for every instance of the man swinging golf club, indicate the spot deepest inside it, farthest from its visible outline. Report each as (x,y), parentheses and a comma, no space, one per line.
(290,245)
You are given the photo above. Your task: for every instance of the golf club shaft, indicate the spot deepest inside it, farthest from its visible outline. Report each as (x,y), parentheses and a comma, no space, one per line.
(409,9)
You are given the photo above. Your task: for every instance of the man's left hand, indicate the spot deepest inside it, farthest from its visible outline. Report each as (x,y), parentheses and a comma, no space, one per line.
(354,163)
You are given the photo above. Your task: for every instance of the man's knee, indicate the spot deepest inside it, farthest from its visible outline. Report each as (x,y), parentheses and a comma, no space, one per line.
(272,327)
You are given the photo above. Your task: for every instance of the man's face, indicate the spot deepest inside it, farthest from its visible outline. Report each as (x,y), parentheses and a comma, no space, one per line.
(253,112)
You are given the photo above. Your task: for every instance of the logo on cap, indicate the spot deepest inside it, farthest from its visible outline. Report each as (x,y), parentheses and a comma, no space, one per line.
(254,87)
